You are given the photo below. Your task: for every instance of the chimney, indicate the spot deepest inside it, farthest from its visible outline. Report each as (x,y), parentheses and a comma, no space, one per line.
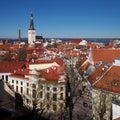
(47,70)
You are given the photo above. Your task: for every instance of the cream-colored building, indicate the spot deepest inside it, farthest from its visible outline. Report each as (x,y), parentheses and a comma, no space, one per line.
(44,88)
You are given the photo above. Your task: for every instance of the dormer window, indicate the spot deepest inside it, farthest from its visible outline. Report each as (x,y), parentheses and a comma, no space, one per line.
(114,83)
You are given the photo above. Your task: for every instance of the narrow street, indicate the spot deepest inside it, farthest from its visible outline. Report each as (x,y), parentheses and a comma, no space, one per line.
(81,105)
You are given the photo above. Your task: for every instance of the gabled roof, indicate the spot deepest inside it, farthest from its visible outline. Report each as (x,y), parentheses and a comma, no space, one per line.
(97,73)
(110,81)
(105,55)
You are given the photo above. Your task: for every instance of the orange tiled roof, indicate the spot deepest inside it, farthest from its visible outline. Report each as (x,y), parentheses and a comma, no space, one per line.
(59,61)
(110,81)
(105,55)
(97,73)
(43,61)
(77,41)
(94,45)
(21,72)
(52,74)
(9,67)
(83,68)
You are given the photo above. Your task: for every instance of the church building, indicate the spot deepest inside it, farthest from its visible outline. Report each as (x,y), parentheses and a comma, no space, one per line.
(31,32)
(32,38)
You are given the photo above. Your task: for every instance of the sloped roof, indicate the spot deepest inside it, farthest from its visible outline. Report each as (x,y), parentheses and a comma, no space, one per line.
(84,67)
(9,67)
(59,61)
(97,73)
(105,55)
(110,81)
(77,41)
(52,74)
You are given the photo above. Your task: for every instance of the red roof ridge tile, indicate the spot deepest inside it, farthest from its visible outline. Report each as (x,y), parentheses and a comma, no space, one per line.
(102,76)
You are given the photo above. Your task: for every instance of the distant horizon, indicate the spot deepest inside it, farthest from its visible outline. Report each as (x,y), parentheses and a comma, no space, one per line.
(60,38)
(61,19)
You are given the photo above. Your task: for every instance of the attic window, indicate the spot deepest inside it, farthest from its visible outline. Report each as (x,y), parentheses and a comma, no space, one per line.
(114,83)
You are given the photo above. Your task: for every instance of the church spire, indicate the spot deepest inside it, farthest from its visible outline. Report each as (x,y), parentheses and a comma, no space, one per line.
(31,22)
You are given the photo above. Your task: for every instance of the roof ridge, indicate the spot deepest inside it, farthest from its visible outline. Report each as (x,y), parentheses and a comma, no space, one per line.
(102,75)
(84,63)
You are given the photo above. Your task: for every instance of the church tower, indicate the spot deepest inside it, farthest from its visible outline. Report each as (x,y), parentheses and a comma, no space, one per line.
(31,31)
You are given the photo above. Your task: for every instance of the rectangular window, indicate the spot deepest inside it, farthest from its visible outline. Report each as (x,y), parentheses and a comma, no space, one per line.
(54,107)
(48,106)
(54,89)
(61,88)
(2,77)
(16,88)
(41,86)
(12,81)
(21,89)
(54,97)
(27,101)
(16,82)
(21,83)
(48,96)
(41,94)
(61,96)
(33,86)
(48,88)
(27,91)
(6,78)
(34,93)
(27,84)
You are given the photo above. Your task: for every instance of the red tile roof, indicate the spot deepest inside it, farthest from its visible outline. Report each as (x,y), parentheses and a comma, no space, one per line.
(105,55)
(97,73)
(52,74)
(110,81)
(94,45)
(4,47)
(77,41)
(84,67)
(117,118)
(59,61)
(9,67)
(21,72)
(43,61)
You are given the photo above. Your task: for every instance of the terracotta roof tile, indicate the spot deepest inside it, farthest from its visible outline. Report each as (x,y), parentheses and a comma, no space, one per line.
(77,41)
(83,68)
(105,55)
(9,67)
(110,81)
(59,61)
(97,73)
(52,74)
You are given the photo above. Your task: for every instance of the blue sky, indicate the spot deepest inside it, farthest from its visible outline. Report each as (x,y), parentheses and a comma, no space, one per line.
(61,18)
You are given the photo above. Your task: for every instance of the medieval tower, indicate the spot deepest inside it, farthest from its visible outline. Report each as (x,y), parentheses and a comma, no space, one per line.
(31,31)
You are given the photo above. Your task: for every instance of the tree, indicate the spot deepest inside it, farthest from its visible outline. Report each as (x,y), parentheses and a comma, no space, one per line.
(22,54)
